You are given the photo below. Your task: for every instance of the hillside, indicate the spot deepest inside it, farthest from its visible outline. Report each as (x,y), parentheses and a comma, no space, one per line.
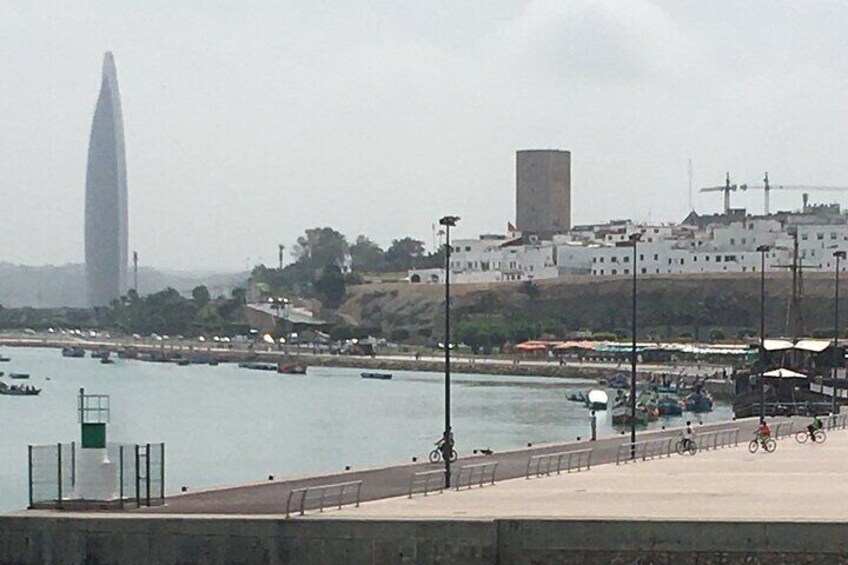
(674,306)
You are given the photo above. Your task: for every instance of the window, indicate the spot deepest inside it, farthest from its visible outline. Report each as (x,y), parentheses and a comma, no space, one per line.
(707,258)
(732,241)
(626,258)
(602,259)
(804,237)
(470,264)
(750,226)
(744,241)
(833,235)
(681,261)
(718,258)
(613,259)
(602,271)
(641,257)
(694,258)
(626,271)
(819,236)
(594,259)
(644,270)
(669,260)
(656,257)
(614,272)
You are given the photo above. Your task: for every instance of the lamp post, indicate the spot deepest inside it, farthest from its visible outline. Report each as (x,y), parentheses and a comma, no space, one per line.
(447,438)
(761,358)
(839,255)
(634,239)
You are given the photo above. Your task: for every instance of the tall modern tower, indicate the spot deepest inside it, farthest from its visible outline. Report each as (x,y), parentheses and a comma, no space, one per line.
(106,195)
(543,192)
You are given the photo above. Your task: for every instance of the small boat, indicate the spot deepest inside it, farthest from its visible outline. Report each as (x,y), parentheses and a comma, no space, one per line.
(291,369)
(698,402)
(669,406)
(576,396)
(127,354)
(15,390)
(183,362)
(597,400)
(258,366)
(73,352)
(106,360)
(619,380)
(379,376)
(4,359)
(18,375)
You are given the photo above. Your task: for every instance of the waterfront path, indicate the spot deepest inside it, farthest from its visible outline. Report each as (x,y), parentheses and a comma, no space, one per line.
(393,481)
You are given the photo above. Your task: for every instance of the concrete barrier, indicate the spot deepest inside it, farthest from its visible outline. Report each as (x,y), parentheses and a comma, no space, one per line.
(119,539)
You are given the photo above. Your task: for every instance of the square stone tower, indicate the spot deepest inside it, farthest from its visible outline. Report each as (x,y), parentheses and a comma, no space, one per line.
(543,192)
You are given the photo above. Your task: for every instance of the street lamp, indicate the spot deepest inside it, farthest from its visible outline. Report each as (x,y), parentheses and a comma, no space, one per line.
(839,255)
(447,439)
(634,239)
(762,250)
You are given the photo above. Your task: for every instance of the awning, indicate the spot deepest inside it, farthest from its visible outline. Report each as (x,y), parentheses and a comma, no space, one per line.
(813,345)
(784,374)
(776,344)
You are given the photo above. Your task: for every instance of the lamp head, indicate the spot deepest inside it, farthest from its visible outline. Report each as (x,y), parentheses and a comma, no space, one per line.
(448,221)
(839,254)
(634,237)
(763,248)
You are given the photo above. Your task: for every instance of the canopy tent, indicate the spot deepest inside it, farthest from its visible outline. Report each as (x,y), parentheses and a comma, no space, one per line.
(784,374)
(777,344)
(813,345)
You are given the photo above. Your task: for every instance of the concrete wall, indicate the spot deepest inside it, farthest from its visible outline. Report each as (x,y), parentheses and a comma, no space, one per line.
(103,540)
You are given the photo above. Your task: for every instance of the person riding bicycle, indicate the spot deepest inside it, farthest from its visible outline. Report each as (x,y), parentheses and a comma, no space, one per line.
(814,426)
(446,450)
(688,435)
(763,432)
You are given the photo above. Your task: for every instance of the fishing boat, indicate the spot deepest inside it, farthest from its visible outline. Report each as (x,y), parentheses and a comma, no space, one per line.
(100,353)
(577,396)
(73,352)
(16,390)
(4,359)
(619,380)
(258,366)
(183,362)
(106,360)
(699,402)
(18,375)
(597,400)
(379,376)
(669,406)
(291,368)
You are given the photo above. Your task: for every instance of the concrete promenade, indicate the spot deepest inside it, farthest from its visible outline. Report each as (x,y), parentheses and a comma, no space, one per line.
(393,481)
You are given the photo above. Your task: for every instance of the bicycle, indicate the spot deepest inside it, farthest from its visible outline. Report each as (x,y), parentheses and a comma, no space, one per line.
(436,455)
(803,435)
(682,448)
(768,444)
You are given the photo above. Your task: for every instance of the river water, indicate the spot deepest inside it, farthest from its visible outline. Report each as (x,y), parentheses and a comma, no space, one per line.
(225,425)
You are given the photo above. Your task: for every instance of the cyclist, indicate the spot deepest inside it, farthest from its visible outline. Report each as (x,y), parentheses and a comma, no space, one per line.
(446,450)
(688,435)
(763,432)
(814,426)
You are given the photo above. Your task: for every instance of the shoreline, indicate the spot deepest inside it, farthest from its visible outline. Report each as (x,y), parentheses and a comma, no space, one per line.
(408,362)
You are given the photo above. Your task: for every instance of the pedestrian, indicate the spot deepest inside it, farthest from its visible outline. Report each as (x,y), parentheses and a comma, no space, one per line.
(594,421)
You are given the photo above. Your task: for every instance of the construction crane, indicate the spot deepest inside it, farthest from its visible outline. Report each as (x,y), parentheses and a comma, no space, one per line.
(767,188)
(727,189)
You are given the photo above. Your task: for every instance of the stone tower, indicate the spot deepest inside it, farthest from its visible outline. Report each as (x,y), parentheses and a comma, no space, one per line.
(543,192)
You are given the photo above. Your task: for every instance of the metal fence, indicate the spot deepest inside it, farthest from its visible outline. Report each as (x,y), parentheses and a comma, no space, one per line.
(836,422)
(427,481)
(139,476)
(718,438)
(469,475)
(783,429)
(547,463)
(323,496)
(643,450)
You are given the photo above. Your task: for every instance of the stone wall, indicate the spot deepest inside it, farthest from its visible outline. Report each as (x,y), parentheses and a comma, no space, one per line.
(128,540)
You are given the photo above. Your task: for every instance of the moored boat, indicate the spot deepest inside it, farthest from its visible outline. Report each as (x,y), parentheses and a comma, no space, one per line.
(597,400)
(4,359)
(669,406)
(16,390)
(73,352)
(18,375)
(291,368)
(379,376)
(258,366)
(698,402)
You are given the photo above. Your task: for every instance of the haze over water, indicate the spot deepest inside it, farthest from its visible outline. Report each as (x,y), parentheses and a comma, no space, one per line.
(225,425)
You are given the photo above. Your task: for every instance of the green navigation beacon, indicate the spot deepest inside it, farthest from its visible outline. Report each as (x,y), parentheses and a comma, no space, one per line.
(93,417)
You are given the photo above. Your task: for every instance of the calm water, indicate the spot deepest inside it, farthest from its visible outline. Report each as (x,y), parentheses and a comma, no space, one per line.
(225,425)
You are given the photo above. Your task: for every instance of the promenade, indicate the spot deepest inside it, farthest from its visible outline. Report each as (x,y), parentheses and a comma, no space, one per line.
(394,481)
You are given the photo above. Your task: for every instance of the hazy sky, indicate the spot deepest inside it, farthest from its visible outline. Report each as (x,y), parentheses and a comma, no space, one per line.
(247,122)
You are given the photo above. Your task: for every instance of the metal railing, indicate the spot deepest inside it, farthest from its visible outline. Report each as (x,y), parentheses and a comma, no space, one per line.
(782,429)
(137,471)
(324,495)
(718,438)
(475,474)
(836,422)
(643,450)
(427,481)
(547,463)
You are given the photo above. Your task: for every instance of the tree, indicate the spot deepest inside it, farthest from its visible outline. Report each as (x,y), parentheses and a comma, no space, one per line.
(366,255)
(200,296)
(321,247)
(403,253)
(331,286)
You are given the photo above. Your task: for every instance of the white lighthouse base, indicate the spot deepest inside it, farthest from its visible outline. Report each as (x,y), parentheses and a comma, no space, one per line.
(96,476)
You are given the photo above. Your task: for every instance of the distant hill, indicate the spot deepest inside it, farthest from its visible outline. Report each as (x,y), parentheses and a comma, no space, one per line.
(57,286)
